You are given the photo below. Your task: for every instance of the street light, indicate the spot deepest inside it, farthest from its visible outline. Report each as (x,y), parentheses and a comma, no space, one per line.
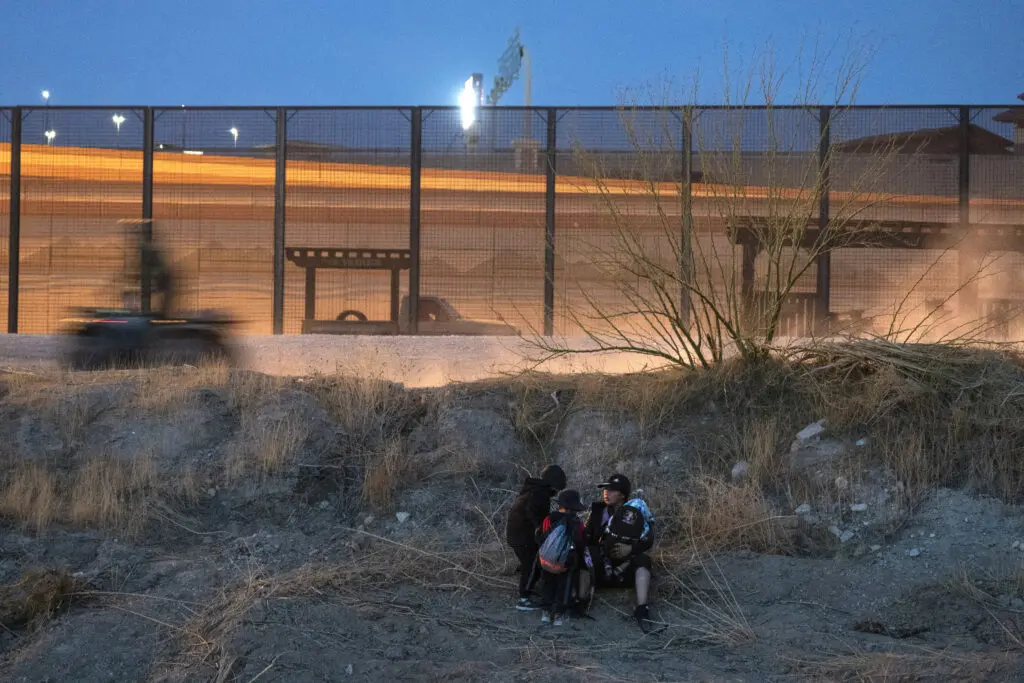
(118,120)
(50,135)
(46,96)
(234,134)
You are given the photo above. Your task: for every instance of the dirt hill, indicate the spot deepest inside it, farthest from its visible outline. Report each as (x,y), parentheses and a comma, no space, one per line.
(849,517)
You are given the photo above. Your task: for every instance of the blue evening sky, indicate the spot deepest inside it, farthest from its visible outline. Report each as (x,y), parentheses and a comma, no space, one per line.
(418,52)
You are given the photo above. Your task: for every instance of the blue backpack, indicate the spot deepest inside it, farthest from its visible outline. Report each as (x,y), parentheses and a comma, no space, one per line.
(556,549)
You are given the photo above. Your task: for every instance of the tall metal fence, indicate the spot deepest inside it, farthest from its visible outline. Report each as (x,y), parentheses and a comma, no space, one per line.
(512,219)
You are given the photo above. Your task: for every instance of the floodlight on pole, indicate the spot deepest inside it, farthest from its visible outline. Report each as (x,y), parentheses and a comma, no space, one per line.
(234,134)
(50,135)
(469,99)
(46,96)
(118,120)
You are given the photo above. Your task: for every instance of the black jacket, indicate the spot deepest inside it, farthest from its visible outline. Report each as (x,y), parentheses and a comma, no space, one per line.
(528,511)
(595,530)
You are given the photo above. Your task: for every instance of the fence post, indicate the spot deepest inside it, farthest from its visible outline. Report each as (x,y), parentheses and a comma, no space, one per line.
(686,226)
(280,162)
(14,235)
(549,225)
(823,283)
(145,277)
(968,260)
(415,166)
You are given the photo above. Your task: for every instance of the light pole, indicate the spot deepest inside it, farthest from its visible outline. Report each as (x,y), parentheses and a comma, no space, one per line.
(50,135)
(118,120)
(234,134)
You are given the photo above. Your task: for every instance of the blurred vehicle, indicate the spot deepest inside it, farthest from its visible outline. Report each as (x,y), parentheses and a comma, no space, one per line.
(137,334)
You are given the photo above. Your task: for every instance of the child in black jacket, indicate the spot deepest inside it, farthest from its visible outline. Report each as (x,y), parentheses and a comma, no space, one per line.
(525,518)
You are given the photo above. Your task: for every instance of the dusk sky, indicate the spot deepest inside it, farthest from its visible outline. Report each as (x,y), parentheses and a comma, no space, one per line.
(404,52)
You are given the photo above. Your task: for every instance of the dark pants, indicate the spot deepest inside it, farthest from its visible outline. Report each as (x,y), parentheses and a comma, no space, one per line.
(527,556)
(558,589)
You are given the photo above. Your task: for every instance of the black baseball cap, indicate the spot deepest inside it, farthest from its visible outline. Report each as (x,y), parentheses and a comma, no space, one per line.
(617,482)
(570,500)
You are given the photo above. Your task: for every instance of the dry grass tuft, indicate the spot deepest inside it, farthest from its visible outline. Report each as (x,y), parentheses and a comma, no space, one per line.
(37,597)
(113,494)
(31,495)
(388,470)
(104,493)
(717,515)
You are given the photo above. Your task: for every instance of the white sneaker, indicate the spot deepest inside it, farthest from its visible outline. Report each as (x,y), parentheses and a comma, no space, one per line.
(557,621)
(545,618)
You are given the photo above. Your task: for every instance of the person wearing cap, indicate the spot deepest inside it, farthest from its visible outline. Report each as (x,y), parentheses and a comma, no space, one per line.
(524,521)
(623,564)
(557,587)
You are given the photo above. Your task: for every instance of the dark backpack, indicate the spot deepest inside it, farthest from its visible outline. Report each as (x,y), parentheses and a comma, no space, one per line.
(557,547)
(627,525)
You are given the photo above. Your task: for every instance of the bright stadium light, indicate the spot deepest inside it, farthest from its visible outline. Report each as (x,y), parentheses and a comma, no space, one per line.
(118,120)
(234,134)
(50,135)
(46,96)
(468,104)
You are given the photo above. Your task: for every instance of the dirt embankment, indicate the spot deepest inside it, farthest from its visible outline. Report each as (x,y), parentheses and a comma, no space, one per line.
(853,518)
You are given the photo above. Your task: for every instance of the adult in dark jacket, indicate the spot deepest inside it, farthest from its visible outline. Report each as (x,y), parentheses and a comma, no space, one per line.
(525,518)
(618,565)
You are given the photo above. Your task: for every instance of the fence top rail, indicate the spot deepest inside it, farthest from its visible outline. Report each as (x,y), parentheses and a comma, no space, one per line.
(445,107)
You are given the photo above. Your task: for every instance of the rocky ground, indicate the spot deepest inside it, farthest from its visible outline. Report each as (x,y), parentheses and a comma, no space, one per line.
(203,524)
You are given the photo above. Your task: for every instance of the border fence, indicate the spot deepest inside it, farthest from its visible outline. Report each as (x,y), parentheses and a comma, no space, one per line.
(399,205)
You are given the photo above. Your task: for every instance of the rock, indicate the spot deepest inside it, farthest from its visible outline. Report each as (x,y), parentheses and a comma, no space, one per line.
(843,536)
(842,483)
(402,517)
(861,443)
(349,670)
(323,505)
(859,507)
(739,471)
(803,509)
(368,520)
(914,552)
(874,548)
(811,431)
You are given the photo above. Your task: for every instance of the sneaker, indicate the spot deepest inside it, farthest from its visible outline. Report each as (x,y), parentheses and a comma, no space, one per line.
(527,605)
(557,620)
(545,618)
(642,613)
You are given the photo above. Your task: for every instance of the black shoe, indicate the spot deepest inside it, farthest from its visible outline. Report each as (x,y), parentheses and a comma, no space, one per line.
(642,613)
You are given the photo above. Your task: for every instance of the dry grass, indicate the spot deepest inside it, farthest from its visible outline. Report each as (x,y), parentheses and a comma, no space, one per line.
(388,470)
(716,515)
(36,597)
(105,493)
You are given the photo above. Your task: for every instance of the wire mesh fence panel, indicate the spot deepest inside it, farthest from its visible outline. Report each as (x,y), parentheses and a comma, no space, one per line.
(758,195)
(348,180)
(213,209)
(81,172)
(482,220)
(618,211)
(997,200)
(898,166)
(5,212)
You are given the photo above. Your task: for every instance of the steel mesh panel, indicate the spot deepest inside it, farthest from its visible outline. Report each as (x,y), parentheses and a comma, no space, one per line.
(75,187)
(5,211)
(213,209)
(348,180)
(483,222)
(618,214)
(997,197)
(893,164)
